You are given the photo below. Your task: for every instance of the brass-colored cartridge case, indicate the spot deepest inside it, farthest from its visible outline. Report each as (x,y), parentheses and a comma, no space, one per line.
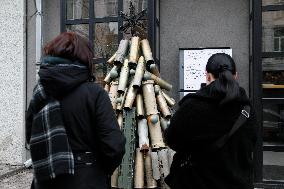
(163,84)
(163,158)
(123,79)
(143,135)
(163,105)
(130,97)
(134,50)
(119,105)
(156,135)
(120,119)
(140,106)
(139,170)
(164,123)
(111,59)
(149,97)
(171,102)
(146,49)
(108,78)
(107,87)
(154,70)
(113,93)
(139,73)
(121,52)
(150,181)
(114,179)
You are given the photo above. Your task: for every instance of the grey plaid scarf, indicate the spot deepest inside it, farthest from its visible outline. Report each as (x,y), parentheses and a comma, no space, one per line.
(50,150)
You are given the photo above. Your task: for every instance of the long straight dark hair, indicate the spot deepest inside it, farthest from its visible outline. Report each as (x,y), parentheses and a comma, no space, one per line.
(223,68)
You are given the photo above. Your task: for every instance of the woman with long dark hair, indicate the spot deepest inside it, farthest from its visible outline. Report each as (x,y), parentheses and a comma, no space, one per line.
(213,149)
(75,141)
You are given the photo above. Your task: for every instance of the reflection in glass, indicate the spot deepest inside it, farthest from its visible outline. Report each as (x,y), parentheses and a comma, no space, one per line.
(273,166)
(273,123)
(138,4)
(272,2)
(273,71)
(104,8)
(273,31)
(105,39)
(100,70)
(82,29)
(77,9)
(273,135)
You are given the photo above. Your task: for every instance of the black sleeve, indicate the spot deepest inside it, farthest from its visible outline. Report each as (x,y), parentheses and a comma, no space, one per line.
(29,120)
(111,139)
(179,127)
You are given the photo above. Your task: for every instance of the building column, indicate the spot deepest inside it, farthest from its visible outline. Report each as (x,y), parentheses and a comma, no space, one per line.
(12,81)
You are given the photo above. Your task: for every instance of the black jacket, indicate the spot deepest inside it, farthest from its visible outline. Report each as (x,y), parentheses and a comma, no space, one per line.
(87,113)
(198,123)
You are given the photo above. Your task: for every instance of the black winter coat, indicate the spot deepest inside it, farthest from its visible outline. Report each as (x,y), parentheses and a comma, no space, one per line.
(90,124)
(197,124)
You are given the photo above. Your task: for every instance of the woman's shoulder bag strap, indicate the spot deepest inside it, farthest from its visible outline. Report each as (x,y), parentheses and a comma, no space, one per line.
(245,113)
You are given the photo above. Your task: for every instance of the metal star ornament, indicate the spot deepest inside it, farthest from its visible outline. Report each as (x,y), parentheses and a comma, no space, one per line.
(133,21)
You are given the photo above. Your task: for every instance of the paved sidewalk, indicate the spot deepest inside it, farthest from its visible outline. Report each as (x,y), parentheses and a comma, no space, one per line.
(17,179)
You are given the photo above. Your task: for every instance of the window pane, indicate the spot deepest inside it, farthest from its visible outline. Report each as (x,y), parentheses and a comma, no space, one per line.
(273,166)
(104,8)
(100,70)
(138,4)
(82,29)
(77,9)
(276,44)
(105,39)
(273,135)
(272,2)
(273,71)
(273,28)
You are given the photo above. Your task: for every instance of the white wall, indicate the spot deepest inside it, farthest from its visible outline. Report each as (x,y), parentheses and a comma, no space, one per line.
(12,81)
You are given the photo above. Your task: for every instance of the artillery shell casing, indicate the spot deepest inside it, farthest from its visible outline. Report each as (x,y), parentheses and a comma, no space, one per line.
(149,97)
(143,135)
(171,102)
(156,135)
(157,89)
(107,87)
(154,70)
(134,50)
(146,49)
(139,170)
(163,159)
(111,59)
(123,79)
(171,154)
(108,77)
(120,105)
(113,93)
(140,106)
(121,52)
(139,73)
(155,165)
(120,119)
(150,181)
(164,123)
(163,105)
(130,97)
(114,179)
(163,84)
